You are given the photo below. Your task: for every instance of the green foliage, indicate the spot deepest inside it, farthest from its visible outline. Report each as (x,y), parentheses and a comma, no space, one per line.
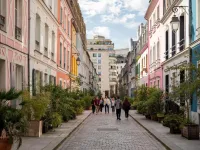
(56,119)
(34,107)
(174,120)
(11,120)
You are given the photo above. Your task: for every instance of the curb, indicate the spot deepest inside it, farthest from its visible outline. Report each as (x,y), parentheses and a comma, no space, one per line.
(167,147)
(58,145)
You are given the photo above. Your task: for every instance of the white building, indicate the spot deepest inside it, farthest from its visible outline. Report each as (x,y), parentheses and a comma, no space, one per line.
(43,43)
(102,54)
(175,44)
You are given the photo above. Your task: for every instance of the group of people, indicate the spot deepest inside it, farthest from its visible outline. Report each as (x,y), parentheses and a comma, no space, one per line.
(115,103)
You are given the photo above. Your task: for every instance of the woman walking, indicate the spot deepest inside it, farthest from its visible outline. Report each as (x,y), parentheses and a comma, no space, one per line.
(126,107)
(93,105)
(97,103)
(113,104)
(101,104)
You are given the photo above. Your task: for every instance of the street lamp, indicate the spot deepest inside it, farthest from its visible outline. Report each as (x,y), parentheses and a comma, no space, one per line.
(78,61)
(175,23)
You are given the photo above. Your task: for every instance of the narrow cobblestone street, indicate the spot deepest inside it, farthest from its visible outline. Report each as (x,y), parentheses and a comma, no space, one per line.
(104,132)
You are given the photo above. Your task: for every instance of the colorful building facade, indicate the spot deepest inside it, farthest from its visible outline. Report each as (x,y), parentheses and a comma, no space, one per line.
(14,44)
(195,50)
(153,16)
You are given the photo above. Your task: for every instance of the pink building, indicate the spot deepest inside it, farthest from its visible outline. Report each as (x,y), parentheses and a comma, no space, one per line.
(153,15)
(13,44)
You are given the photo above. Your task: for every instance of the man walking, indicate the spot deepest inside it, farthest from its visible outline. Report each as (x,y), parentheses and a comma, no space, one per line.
(97,103)
(118,105)
(106,104)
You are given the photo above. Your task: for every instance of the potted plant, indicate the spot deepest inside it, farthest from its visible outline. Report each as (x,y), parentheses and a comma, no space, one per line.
(12,121)
(160,117)
(34,108)
(182,92)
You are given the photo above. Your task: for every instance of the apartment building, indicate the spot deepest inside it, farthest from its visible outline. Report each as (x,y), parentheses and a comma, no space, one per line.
(102,54)
(13,45)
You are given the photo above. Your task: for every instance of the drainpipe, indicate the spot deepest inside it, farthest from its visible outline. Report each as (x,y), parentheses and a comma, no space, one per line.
(29,20)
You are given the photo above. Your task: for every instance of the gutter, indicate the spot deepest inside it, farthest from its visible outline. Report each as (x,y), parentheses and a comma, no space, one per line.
(29,20)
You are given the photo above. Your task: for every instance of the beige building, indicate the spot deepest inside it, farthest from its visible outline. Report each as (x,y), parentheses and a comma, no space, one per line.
(102,54)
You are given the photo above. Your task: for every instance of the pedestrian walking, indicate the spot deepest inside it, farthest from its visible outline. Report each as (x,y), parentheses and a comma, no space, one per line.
(93,105)
(118,105)
(113,104)
(106,104)
(126,107)
(97,103)
(101,104)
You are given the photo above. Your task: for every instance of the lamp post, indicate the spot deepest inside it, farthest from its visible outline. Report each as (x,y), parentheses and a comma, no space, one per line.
(175,22)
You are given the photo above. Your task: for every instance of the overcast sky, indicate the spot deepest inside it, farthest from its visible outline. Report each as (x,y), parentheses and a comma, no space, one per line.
(114,19)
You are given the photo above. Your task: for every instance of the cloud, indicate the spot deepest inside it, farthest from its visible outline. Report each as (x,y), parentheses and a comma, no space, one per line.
(128,20)
(99,30)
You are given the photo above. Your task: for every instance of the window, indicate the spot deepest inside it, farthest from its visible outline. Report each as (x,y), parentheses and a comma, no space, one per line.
(3,14)
(65,58)
(60,54)
(154,53)
(158,83)
(68,54)
(45,79)
(158,13)
(60,83)
(99,61)
(53,45)
(94,55)
(182,33)
(46,38)
(99,67)
(158,50)
(37,32)
(61,15)
(150,25)
(167,83)
(68,27)
(18,19)
(99,55)
(99,73)
(166,45)
(99,79)
(154,18)
(173,43)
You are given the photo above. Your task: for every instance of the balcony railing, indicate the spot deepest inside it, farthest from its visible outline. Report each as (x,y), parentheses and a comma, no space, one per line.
(18,33)
(181,45)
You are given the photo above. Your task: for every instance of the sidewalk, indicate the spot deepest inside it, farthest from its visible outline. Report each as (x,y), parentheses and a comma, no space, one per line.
(51,140)
(172,141)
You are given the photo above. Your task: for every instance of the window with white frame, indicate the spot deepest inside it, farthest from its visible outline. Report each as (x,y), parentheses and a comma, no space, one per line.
(3,14)
(60,82)
(37,32)
(18,19)
(65,58)
(154,53)
(45,78)
(60,54)
(46,39)
(68,63)
(61,15)
(53,45)
(50,5)
(158,12)
(198,18)
(158,50)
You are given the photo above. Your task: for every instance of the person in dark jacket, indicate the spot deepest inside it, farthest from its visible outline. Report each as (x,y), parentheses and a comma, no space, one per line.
(93,105)
(126,107)
(118,105)
(97,104)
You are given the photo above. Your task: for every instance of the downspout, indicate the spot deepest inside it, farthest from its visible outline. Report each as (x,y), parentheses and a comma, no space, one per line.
(71,60)
(29,20)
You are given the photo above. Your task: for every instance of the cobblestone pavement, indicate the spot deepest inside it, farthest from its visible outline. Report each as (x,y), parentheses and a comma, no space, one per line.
(104,132)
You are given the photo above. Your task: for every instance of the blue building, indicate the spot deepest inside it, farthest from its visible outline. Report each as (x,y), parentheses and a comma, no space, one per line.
(195,48)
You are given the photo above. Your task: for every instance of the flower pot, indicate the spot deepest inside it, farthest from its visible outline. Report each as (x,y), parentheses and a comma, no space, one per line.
(191,132)
(154,117)
(4,144)
(160,119)
(174,130)
(35,128)
(147,116)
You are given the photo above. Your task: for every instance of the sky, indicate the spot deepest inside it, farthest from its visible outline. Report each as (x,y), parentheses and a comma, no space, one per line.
(114,19)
